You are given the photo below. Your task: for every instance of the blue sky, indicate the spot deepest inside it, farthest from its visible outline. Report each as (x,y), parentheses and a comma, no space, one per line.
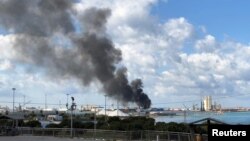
(223,19)
(181,49)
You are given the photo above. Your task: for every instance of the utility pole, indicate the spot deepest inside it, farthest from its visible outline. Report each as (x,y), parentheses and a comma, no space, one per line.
(105,108)
(22,106)
(67,101)
(117,107)
(45,101)
(71,122)
(13,89)
(95,123)
(72,108)
(67,98)
(13,98)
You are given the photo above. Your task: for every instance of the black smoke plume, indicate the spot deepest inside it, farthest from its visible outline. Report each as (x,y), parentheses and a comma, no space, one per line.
(52,36)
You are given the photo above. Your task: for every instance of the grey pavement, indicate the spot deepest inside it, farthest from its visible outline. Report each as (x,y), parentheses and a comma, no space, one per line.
(38,138)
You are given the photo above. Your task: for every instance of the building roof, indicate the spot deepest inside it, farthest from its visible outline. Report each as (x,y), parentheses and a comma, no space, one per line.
(113,113)
(207,121)
(12,116)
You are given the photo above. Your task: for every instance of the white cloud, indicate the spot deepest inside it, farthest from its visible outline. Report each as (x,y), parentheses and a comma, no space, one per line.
(208,44)
(178,29)
(6,65)
(162,90)
(123,12)
(6,46)
(207,61)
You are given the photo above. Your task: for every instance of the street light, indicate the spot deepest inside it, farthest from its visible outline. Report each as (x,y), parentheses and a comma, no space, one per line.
(105,108)
(72,108)
(67,98)
(95,122)
(13,98)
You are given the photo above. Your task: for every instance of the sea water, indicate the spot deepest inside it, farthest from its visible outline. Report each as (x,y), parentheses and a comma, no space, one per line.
(226,117)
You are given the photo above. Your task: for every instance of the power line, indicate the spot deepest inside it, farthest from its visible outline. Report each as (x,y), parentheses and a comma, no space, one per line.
(34,103)
(163,103)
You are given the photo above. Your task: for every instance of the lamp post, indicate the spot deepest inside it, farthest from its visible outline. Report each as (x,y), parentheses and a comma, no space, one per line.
(105,108)
(23,101)
(13,98)
(67,98)
(45,104)
(95,123)
(72,108)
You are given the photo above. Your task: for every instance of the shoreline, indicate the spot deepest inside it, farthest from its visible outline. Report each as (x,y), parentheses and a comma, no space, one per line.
(241,117)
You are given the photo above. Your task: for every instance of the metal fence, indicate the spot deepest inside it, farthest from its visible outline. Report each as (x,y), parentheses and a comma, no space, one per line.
(112,135)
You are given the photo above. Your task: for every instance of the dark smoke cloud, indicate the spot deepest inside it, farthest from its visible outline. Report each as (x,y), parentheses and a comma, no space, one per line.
(127,92)
(94,20)
(36,17)
(87,56)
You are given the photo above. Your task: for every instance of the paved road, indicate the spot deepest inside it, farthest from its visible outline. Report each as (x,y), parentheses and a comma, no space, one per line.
(37,138)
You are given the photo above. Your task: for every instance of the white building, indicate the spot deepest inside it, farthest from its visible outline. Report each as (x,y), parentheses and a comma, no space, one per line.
(112,113)
(54,118)
(92,108)
(208,103)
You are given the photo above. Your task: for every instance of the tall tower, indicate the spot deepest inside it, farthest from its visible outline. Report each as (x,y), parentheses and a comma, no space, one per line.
(208,103)
(202,106)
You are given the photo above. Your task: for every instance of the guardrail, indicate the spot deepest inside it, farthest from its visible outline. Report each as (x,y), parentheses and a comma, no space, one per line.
(112,135)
